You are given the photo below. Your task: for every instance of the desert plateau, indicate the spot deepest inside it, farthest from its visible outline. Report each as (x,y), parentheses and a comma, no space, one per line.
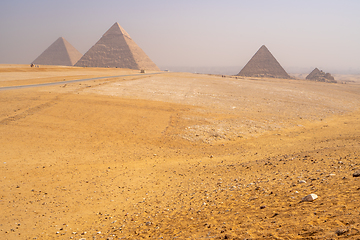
(171,155)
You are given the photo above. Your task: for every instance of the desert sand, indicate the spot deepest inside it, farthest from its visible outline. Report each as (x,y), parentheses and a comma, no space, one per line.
(177,155)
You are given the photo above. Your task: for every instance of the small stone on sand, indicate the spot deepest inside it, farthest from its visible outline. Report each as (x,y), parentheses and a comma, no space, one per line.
(309,198)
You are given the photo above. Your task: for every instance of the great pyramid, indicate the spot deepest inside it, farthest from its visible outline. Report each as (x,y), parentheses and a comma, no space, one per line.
(263,64)
(320,76)
(61,52)
(116,49)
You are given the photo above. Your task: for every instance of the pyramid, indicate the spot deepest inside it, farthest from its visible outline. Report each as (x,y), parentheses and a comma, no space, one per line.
(116,49)
(313,74)
(320,76)
(61,52)
(263,64)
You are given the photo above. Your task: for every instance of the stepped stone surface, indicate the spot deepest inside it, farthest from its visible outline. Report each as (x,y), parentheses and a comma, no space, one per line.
(320,76)
(263,64)
(116,49)
(61,52)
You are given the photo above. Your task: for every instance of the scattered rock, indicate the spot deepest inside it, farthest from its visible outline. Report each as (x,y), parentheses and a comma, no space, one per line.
(302,181)
(262,207)
(341,232)
(356,174)
(309,198)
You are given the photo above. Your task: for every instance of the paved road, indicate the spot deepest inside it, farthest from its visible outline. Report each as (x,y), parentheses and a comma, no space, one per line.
(70,81)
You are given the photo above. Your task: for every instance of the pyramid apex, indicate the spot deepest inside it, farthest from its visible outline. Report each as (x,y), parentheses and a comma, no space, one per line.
(116,29)
(263,47)
(116,24)
(60,39)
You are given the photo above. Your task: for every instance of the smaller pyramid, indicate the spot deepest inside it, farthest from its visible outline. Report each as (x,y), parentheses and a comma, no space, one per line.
(263,64)
(116,49)
(61,52)
(320,76)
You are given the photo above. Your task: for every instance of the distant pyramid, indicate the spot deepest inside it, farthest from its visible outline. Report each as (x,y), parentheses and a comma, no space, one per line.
(313,74)
(263,64)
(61,52)
(116,49)
(320,76)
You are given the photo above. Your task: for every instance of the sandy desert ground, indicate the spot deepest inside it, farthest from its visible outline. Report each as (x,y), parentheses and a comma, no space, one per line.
(177,156)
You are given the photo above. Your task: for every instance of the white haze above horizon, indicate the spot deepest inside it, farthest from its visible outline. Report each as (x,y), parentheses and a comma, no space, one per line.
(206,36)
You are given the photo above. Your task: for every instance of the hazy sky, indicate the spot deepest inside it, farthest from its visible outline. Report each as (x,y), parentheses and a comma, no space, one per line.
(301,34)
